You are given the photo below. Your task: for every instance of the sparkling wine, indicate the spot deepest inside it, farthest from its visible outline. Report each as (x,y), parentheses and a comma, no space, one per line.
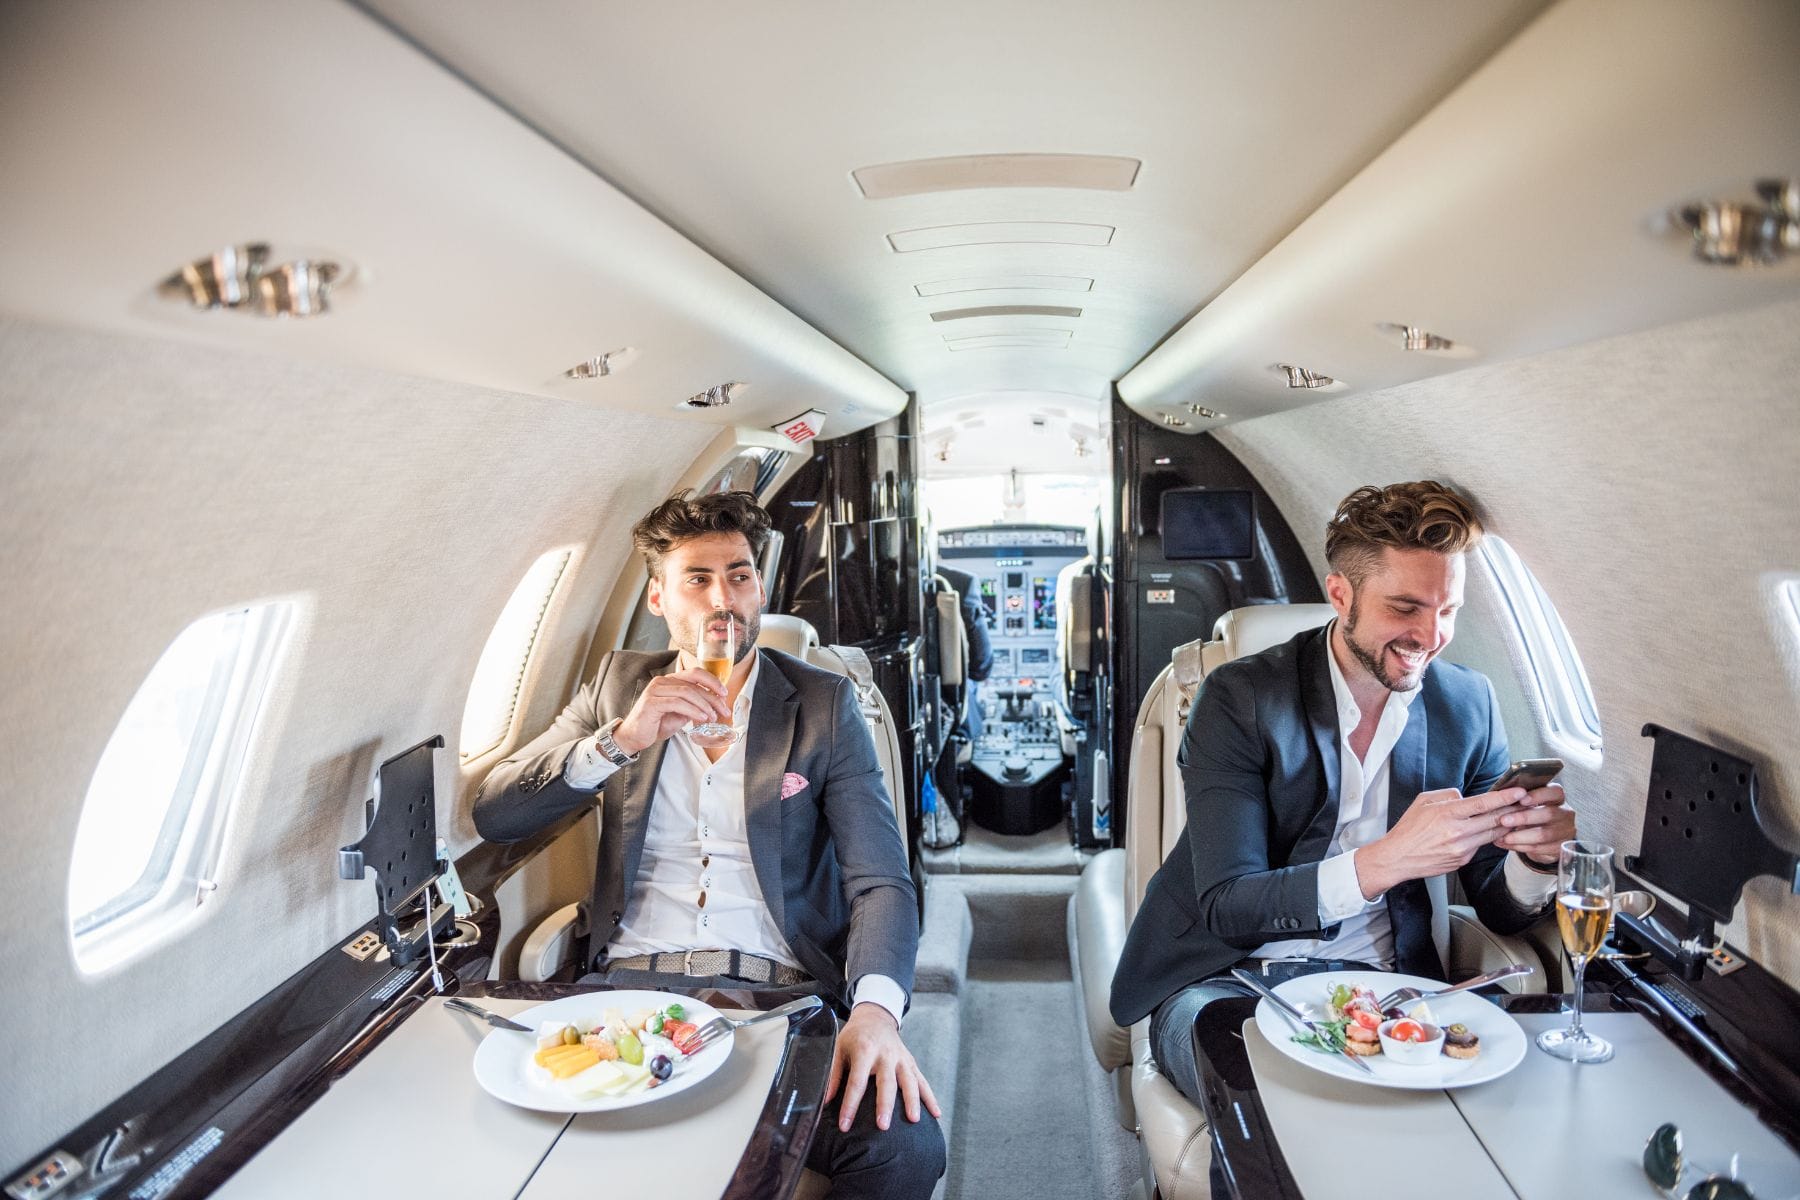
(1582,918)
(720,668)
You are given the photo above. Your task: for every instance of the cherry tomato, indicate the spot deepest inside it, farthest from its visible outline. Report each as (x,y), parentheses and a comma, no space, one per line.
(1407,1031)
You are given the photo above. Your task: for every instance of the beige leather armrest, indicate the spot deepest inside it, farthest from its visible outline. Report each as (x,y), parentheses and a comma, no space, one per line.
(1475,950)
(1099,937)
(550,945)
(1176,1138)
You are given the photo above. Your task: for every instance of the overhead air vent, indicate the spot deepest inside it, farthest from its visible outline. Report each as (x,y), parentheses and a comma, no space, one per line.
(245,278)
(1005,283)
(715,397)
(993,233)
(1211,414)
(1024,339)
(1729,234)
(1006,310)
(1097,172)
(1173,421)
(602,365)
(1300,377)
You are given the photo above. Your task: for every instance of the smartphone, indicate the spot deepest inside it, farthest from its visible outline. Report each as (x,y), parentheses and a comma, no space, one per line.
(1529,773)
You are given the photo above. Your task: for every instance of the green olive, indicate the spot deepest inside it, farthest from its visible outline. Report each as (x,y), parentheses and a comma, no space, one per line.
(571,1036)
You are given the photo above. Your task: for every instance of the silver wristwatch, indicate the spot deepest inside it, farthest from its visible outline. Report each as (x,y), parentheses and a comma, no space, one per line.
(604,741)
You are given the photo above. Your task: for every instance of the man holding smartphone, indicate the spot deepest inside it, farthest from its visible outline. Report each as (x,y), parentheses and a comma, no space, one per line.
(1334,782)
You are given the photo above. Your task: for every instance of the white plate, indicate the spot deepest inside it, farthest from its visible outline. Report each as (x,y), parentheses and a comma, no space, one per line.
(1503,1043)
(503,1060)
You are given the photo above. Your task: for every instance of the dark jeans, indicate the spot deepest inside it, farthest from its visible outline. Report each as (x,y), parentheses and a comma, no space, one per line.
(902,1162)
(1172,1035)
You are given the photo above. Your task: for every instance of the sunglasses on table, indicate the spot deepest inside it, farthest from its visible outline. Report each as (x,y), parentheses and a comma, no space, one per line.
(1664,1166)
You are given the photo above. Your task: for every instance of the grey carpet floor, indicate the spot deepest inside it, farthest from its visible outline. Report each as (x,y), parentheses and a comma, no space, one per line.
(1022,1107)
(984,852)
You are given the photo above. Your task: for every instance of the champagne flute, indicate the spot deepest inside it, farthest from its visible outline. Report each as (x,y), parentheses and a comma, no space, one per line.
(717,652)
(1584,903)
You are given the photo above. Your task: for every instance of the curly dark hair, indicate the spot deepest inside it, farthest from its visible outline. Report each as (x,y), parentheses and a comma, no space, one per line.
(1425,515)
(686,515)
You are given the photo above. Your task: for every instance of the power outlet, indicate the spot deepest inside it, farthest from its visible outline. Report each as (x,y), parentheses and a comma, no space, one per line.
(1723,962)
(45,1178)
(364,947)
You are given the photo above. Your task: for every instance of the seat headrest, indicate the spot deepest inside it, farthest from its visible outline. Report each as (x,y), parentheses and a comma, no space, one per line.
(1251,630)
(792,635)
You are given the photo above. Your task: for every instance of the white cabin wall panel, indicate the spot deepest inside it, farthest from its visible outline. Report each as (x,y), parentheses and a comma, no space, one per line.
(1649,482)
(483,253)
(151,482)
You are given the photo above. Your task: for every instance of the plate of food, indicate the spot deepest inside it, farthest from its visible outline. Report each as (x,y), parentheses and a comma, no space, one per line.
(1452,1041)
(599,1051)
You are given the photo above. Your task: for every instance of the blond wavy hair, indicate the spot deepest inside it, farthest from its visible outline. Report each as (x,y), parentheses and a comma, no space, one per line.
(1425,515)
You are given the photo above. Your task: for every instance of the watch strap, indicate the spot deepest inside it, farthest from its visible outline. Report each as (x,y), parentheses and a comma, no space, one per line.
(609,749)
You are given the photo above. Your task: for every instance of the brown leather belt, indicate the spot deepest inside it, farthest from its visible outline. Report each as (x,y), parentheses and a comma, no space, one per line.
(732,964)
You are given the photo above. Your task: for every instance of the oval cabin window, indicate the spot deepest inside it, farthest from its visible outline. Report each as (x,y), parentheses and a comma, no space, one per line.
(500,672)
(1558,680)
(152,825)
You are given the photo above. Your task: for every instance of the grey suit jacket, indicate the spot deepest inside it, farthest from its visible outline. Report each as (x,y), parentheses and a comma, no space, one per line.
(830,858)
(1259,768)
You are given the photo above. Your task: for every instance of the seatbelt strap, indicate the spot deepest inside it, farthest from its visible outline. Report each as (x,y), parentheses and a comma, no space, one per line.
(862,676)
(1186,669)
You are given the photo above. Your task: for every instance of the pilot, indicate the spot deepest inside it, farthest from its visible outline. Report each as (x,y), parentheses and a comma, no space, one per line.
(1329,778)
(981,647)
(775,860)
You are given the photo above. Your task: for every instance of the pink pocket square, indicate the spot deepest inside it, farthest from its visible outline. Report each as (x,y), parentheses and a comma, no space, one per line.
(792,785)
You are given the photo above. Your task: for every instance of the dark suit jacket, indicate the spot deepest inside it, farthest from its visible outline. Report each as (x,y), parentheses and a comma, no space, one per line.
(1259,764)
(830,859)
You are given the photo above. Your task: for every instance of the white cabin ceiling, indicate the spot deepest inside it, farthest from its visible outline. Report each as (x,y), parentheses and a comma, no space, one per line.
(743,127)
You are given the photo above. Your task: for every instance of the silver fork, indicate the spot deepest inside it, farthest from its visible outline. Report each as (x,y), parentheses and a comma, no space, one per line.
(720,1027)
(1407,995)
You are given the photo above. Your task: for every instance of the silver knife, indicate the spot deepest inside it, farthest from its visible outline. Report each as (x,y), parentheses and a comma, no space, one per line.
(492,1018)
(1293,1015)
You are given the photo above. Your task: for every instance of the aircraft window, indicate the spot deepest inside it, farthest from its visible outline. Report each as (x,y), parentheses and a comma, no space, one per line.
(1788,603)
(1567,701)
(151,828)
(494,692)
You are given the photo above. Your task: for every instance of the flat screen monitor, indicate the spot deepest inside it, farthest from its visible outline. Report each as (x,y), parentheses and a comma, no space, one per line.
(1208,523)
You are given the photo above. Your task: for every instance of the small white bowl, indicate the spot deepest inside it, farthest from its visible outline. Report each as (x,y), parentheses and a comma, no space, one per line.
(1412,1053)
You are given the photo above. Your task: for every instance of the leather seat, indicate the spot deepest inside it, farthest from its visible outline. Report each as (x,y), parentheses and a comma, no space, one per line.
(1174,1138)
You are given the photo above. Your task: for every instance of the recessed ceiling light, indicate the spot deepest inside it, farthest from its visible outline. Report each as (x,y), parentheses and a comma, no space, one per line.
(1093,171)
(1300,377)
(1211,414)
(715,397)
(1006,310)
(600,366)
(1006,283)
(990,233)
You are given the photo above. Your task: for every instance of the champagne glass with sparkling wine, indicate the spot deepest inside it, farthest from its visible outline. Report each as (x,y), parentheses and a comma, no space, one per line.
(1584,904)
(717,651)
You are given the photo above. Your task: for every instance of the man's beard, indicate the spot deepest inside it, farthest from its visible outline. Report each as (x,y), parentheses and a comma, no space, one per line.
(748,627)
(1376,662)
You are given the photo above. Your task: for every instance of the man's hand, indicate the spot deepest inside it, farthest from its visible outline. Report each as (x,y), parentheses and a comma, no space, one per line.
(1539,826)
(869,1045)
(1438,833)
(671,702)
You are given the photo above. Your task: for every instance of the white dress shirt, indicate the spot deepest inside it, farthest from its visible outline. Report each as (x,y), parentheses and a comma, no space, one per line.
(696,887)
(1365,932)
